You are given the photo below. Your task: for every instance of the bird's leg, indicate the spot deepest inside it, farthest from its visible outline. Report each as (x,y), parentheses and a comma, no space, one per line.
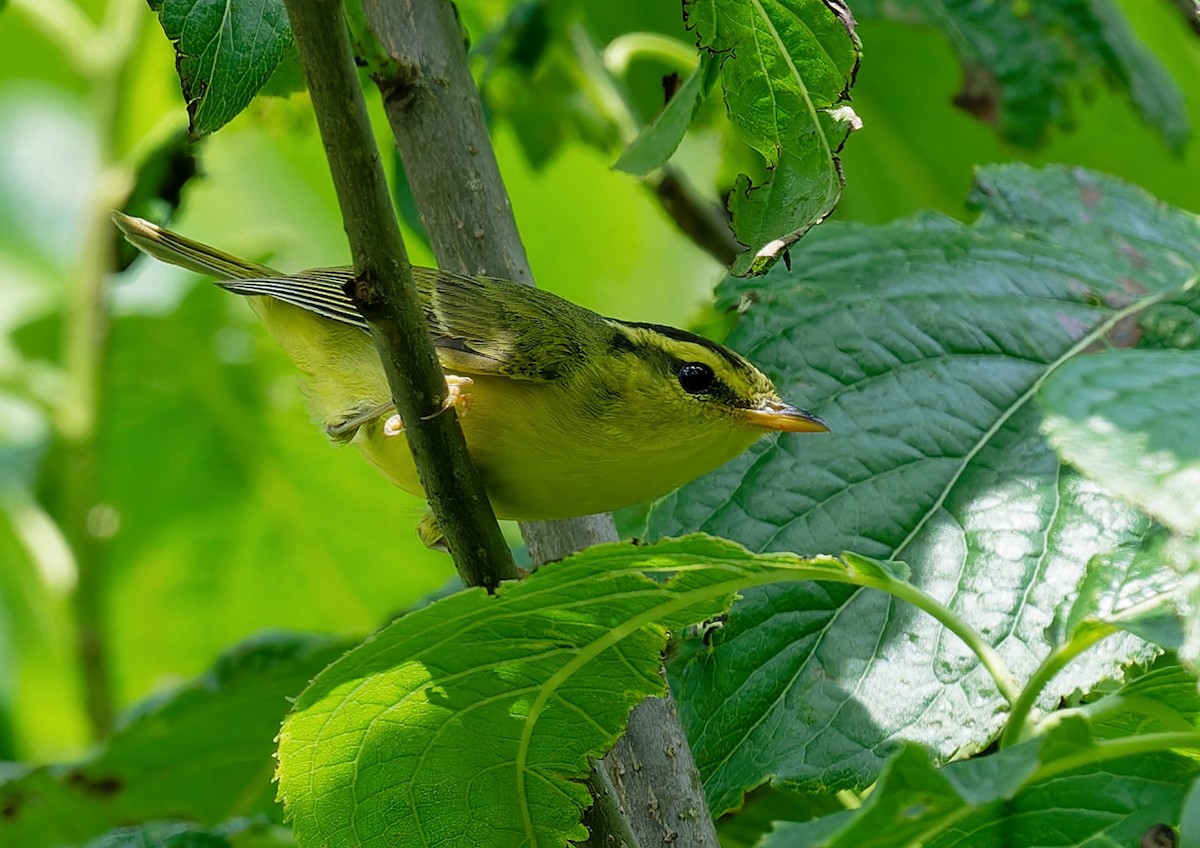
(344,429)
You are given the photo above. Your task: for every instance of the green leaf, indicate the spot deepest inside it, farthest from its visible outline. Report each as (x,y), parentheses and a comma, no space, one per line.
(470,722)
(1063,790)
(657,142)
(240,833)
(1134,587)
(1126,419)
(202,752)
(1024,62)
(786,65)
(225,52)
(234,510)
(1189,819)
(923,344)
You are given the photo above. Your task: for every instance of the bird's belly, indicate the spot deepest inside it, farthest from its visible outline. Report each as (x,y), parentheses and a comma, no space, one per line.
(538,462)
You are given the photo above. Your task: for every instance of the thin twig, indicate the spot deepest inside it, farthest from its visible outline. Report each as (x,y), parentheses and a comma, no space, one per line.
(386,295)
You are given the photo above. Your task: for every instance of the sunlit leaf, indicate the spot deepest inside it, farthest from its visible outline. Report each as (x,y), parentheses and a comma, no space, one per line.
(1127,419)
(923,344)
(470,721)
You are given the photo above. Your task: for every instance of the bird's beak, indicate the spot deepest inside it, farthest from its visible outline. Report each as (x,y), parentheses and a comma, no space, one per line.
(777,415)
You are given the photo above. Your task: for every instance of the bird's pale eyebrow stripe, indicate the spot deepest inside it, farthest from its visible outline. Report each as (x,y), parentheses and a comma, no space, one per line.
(684,336)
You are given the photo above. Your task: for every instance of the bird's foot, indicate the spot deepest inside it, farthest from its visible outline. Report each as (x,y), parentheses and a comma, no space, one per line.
(431,534)
(343,429)
(457,395)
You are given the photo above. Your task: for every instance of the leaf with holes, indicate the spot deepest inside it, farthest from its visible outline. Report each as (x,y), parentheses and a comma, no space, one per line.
(923,343)
(471,721)
(786,67)
(224,53)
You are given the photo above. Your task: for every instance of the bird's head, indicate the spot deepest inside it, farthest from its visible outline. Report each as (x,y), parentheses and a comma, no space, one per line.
(694,385)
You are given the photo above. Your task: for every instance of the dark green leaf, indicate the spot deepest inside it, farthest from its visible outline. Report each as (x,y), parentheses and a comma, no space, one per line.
(471,721)
(240,833)
(225,52)
(658,142)
(1019,796)
(1189,820)
(785,65)
(1022,62)
(203,752)
(922,343)
(1127,419)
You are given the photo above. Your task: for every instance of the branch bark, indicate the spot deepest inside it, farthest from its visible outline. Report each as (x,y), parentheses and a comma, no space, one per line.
(386,295)
(434,110)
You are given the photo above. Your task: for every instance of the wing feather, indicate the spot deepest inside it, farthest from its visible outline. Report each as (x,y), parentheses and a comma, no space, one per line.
(480,325)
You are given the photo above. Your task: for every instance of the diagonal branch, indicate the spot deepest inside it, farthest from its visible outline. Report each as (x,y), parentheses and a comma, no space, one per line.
(386,295)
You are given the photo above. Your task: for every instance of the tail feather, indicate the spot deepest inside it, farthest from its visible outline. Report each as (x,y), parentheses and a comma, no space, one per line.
(175,249)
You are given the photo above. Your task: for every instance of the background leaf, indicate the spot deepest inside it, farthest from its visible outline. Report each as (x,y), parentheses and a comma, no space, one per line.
(203,752)
(225,52)
(922,344)
(1022,62)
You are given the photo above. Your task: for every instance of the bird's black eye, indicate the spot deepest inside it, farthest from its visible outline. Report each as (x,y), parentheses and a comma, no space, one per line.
(695,377)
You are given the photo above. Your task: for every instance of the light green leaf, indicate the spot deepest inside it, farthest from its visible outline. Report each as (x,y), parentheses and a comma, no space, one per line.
(225,52)
(1127,420)
(923,344)
(654,146)
(1068,789)
(226,494)
(470,722)
(1023,64)
(785,65)
(202,752)
(1135,587)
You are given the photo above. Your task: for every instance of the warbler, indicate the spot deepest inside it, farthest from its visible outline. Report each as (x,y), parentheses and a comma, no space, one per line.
(565,412)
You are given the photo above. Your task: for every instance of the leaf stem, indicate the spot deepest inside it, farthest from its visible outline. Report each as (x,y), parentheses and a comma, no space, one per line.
(622,50)
(386,295)
(1015,729)
(704,222)
(1006,683)
(1114,749)
(1119,704)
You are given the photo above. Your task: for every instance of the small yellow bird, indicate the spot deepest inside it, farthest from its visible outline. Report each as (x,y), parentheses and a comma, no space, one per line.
(570,413)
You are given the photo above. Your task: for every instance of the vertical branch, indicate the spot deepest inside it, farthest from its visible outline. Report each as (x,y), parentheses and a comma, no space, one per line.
(434,110)
(435,114)
(386,295)
(103,60)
